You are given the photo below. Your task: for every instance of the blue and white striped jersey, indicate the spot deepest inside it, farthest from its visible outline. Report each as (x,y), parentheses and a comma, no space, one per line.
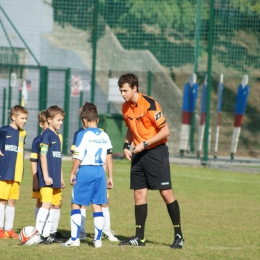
(92,145)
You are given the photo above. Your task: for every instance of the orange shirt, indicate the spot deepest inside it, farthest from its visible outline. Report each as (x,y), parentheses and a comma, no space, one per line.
(144,119)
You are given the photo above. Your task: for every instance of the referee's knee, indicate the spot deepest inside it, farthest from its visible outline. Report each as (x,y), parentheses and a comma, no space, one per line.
(167,196)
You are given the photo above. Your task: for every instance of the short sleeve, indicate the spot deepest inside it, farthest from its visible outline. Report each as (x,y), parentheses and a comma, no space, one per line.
(2,140)
(80,151)
(73,146)
(157,117)
(45,139)
(34,151)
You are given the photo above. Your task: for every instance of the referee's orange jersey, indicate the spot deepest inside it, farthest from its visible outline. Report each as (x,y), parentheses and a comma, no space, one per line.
(144,119)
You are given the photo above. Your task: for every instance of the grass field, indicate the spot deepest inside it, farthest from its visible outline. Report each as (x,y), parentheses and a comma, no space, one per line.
(220,212)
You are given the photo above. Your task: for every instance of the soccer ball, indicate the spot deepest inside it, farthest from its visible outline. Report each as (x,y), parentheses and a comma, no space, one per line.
(29,236)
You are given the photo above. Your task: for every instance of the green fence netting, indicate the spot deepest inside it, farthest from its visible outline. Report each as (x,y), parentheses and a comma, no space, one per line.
(163,42)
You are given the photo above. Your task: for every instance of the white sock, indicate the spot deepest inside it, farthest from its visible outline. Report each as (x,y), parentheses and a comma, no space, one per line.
(75,222)
(2,215)
(47,228)
(56,219)
(106,214)
(9,217)
(98,225)
(36,210)
(83,220)
(41,219)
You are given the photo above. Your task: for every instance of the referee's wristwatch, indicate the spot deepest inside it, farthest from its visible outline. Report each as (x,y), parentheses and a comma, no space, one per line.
(145,145)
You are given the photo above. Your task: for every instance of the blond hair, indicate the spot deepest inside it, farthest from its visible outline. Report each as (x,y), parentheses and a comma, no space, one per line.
(15,110)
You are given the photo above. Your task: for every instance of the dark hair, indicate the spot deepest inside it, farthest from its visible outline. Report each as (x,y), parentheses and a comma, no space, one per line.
(89,112)
(87,105)
(129,78)
(52,111)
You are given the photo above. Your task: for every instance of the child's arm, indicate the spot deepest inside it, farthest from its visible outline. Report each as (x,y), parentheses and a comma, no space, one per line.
(2,143)
(75,166)
(110,168)
(48,180)
(62,180)
(34,174)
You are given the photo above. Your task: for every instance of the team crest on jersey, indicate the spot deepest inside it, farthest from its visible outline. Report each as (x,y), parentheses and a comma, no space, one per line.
(158,116)
(21,139)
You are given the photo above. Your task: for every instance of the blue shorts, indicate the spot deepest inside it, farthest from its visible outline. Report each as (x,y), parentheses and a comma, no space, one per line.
(90,186)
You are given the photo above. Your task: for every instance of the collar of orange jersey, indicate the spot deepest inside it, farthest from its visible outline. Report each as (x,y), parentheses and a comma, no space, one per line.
(140,108)
(133,105)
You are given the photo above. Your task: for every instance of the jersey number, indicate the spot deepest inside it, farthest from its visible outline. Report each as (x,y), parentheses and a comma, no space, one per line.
(98,156)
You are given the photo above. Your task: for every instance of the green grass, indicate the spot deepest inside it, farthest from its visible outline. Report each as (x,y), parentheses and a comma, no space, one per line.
(219,211)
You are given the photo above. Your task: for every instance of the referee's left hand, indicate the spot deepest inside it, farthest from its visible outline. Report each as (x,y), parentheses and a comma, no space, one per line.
(139,148)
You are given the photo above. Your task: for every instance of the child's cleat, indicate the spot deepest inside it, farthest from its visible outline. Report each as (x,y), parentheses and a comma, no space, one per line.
(97,243)
(11,234)
(3,234)
(133,241)
(82,235)
(178,242)
(71,242)
(110,235)
(58,235)
(55,238)
(45,240)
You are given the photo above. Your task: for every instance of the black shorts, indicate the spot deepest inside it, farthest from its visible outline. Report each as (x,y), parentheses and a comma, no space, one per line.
(151,169)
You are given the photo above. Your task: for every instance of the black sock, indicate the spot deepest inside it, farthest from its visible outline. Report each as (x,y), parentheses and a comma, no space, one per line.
(140,218)
(174,212)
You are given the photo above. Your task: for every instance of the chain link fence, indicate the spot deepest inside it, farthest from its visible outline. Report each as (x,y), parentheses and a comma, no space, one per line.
(163,42)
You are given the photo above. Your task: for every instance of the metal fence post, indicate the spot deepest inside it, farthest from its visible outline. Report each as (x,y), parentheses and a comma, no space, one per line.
(43,91)
(210,50)
(20,91)
(94,53)
(149,87)
(109,103)
(192,131)
(10,94)
(80,104)
(67,112)
(20,98)
(4,104)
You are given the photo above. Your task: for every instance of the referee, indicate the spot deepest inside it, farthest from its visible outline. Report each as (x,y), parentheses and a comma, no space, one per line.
(148,130)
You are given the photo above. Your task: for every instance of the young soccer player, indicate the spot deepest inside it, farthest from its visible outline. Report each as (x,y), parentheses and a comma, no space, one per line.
(54,234)
(49,172)
(107,232)
(34,160)
(93,146)
(12,139)
(83,232)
